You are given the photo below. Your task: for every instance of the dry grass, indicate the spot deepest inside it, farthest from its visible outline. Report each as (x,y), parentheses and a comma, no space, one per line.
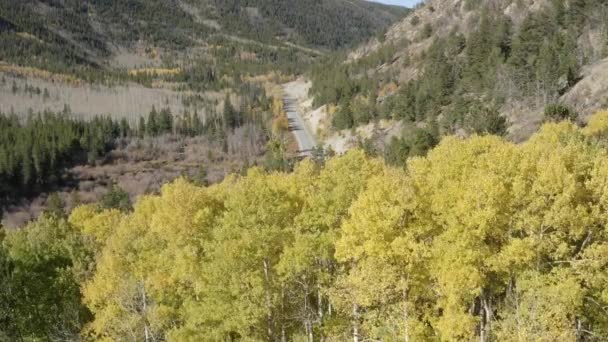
(271,80)
(29,36)
(136,57)
(154,71)
(30,72)
(388,89)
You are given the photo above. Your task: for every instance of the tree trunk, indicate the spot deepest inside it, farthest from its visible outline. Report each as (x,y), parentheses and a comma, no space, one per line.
(283,335)
(320,303)
(406,317)
(486,319)
(355,323)
(268,301)
(489,316)
(309,333)
(307,314)
(144,309)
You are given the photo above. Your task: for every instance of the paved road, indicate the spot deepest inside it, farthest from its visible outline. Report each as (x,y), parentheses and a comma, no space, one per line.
(306,142)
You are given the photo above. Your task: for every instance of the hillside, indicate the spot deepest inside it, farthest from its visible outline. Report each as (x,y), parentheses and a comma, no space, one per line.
(328,24)
(474,66)
(97,56)
(70,34)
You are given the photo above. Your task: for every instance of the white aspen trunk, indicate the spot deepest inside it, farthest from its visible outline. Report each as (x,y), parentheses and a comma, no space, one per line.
(320,312)
(320,303)
(482,334)
(406,317)
(283,335)
(355,323)
(144,309)
(307,315)
(486,317)
(312,336)
(579,329)
(268,300)
(482,323)
(488,312)
(309,332)
(307,320)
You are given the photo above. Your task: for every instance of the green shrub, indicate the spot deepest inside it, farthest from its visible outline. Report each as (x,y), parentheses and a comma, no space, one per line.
(116,198)
(558,112)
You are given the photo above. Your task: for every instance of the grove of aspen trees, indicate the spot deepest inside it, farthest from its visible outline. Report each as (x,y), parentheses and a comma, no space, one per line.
(481,239)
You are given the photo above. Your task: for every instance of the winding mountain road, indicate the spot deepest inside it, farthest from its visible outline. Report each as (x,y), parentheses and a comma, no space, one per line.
(306,141)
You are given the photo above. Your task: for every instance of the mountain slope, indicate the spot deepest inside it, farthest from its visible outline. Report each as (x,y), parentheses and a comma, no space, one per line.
(470,66)
(68,33)
(322,23)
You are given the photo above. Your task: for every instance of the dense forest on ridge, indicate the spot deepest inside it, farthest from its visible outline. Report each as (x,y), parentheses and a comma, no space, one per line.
(488,59)
(322,23)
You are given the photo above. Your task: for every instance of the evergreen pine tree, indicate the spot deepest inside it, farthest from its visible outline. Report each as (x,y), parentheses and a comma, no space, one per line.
(55,206)
(197,125)
(232,117)
(141,127)
(152,123)
(165,121)
(125,130)
(116,198)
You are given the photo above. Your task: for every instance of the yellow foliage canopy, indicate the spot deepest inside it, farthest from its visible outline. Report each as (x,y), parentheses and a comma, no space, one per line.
(480,239)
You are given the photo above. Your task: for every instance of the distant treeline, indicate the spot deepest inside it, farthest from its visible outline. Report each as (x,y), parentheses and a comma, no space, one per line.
(33,152)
